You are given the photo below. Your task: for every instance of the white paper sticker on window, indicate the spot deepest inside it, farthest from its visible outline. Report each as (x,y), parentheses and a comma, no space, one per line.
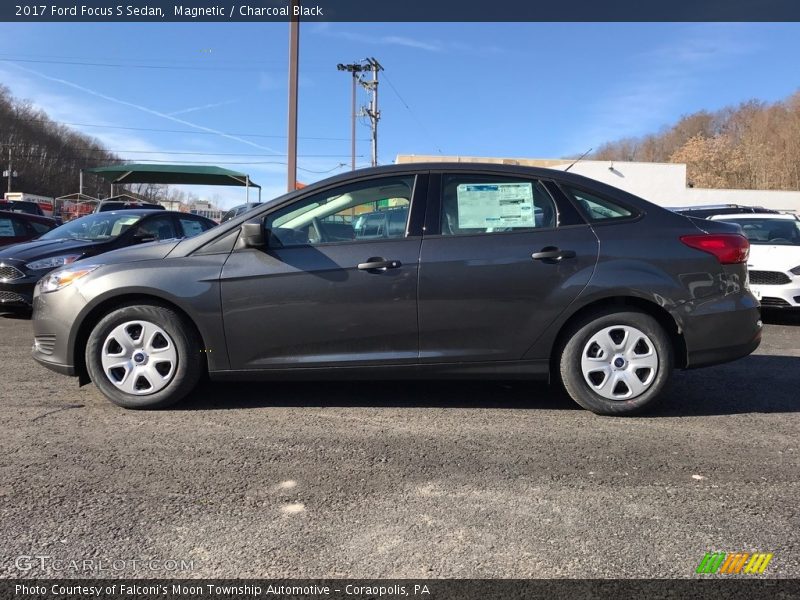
(495,205)
(7,228)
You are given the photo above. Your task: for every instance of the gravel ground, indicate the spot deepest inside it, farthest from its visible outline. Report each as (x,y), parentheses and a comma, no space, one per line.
(388,479)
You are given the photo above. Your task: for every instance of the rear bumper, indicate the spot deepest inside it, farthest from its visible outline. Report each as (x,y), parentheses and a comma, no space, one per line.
(721,330)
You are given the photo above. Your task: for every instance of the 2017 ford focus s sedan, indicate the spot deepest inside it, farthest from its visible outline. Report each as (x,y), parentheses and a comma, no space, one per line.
(496,271)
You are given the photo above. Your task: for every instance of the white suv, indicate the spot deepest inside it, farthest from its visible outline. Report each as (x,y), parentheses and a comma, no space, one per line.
(774,264)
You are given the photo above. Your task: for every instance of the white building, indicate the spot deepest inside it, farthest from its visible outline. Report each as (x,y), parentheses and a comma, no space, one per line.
(661,183)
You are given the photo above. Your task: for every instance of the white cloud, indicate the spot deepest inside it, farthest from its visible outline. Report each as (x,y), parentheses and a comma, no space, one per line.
(427,45)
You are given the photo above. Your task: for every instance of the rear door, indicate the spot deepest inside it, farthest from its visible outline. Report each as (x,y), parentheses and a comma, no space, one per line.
(502,257)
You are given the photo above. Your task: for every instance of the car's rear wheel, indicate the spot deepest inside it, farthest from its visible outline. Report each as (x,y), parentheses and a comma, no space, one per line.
(616,363)
(144,356)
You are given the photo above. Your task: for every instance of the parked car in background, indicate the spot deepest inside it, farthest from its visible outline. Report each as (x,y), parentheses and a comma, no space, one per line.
(708,211)
(24,264)
(774,263)
(109,205)
(499,271)
(16,227)
(238,210)
(22,206)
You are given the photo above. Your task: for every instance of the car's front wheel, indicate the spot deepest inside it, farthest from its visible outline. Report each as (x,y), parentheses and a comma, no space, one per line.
(616,362)
(144,356)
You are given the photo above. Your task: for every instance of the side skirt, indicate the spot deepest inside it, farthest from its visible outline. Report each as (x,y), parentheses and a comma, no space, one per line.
(529,369)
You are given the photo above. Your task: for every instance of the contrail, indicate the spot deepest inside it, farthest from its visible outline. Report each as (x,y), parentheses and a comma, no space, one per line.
(143,108)
(203,107)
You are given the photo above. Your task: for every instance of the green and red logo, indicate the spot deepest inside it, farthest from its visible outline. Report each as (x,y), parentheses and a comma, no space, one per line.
(734,563)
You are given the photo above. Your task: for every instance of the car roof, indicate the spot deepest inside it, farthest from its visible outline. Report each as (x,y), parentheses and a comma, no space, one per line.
(142,211)
(29,216)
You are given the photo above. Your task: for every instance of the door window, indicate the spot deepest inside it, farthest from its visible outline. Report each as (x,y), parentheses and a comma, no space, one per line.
(376,209)
(474,204)
(161,228)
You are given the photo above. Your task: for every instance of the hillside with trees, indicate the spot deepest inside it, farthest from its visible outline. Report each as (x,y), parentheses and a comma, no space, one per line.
(46,155)
(755,145)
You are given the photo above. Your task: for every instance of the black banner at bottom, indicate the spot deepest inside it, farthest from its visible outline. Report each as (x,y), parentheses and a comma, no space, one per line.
(396,589)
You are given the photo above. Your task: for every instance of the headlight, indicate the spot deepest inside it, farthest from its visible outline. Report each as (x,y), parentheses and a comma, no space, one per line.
(63,277)
(796,270)
(53,262)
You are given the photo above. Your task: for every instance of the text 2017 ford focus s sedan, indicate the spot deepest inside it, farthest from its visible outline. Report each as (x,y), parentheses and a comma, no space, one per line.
(496,272)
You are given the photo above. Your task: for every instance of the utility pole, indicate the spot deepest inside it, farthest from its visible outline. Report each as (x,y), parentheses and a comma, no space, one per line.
(354,69)
(10,170)
(294,46)
(372,65)
(372,111)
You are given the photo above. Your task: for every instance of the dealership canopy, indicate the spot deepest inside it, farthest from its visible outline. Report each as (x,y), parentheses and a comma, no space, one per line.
(174,174)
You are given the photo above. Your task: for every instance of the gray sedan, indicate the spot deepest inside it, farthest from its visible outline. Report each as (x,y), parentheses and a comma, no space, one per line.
(413,271)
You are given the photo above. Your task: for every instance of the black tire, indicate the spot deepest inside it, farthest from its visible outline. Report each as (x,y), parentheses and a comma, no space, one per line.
(182,333)
(575,343)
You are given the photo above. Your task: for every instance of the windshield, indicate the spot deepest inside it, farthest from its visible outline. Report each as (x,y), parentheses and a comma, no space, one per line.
(778,232)
(97,227)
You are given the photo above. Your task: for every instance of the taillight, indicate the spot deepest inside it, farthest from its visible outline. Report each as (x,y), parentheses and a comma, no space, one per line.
(729,248)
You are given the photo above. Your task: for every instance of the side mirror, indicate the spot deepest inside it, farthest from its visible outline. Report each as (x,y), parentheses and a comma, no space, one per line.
(253,235)
(143,238)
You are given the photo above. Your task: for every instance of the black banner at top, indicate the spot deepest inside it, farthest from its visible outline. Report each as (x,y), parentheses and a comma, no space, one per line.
(397,10)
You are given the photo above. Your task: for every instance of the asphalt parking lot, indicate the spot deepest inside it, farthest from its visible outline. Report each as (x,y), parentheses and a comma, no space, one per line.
(414,480)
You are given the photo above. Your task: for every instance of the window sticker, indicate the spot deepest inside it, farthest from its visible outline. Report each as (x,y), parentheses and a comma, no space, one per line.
(7,228)
(495,205)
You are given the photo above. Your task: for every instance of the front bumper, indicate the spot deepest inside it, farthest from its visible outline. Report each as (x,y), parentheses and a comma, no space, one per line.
(778,296)
(53,316)
(53,366)
(16,291)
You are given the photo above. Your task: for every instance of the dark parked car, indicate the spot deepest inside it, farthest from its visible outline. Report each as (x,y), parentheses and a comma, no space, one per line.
(109,205)
(22,206)
(22,265)
(706,211)
(238,210)
(16,227)
(500,272)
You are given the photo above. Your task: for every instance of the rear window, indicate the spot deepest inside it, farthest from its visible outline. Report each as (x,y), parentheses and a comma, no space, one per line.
(40,227)
(192,227)
(598,209)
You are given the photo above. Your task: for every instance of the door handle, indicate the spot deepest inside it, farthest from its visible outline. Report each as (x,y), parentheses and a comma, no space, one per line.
(378,265)
(552,254)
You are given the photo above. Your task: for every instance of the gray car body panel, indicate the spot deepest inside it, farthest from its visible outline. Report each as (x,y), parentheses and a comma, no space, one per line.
(462,306)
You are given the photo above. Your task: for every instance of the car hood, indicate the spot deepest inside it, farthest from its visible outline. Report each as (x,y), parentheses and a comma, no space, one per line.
(36,249)
(149,251)
(764,257)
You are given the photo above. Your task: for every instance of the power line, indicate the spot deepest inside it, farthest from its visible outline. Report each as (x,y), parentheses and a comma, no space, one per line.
(193,162)
(411,112)
(131,65)
(176,152)
(188,131)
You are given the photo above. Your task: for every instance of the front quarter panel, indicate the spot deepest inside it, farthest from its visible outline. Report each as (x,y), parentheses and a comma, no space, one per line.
(190,283)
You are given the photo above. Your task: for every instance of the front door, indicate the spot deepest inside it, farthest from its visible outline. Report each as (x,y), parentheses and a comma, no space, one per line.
(337,284)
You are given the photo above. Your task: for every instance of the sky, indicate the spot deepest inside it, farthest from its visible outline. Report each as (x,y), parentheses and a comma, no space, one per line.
(217,92)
